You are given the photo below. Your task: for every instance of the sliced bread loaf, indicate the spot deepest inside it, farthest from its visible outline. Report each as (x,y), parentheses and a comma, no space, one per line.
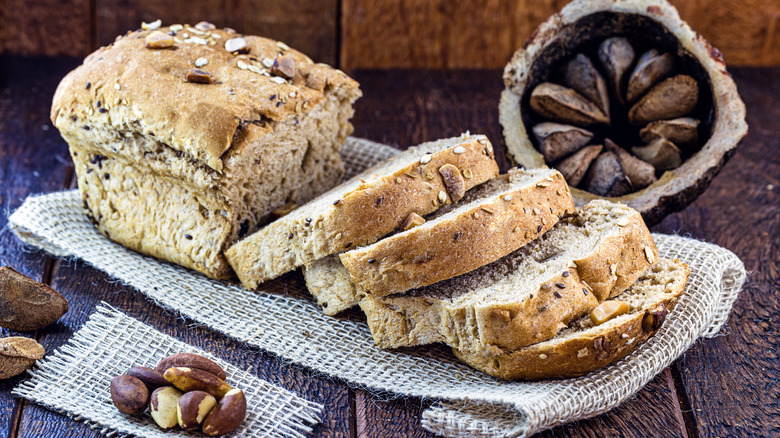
(505,214)
(365,208)
(583,347)
(490,221)
(527,296)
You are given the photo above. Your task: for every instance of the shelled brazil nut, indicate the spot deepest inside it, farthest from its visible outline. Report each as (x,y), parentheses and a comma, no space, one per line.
(645,86)
(626,100)
(188,392)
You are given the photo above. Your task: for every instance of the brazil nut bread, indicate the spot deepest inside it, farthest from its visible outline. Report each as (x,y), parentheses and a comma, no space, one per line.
(186,138)
(589,344)
(371,205)
(490,221)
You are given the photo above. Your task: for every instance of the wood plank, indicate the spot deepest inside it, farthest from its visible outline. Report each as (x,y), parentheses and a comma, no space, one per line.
(378,34)
(32,160)
(307,25)
(427,105)
(731,380)
(389,416)
(45,27)
(85,287)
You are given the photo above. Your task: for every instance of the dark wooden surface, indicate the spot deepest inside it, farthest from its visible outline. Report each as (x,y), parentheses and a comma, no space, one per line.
(355,34)
(726,386)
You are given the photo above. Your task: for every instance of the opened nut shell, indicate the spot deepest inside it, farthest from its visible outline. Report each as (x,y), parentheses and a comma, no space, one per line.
(17,354)
(26,304)
(583,27)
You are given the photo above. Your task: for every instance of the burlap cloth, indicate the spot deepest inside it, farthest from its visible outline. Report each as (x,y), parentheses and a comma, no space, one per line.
(470,402)
(75,380)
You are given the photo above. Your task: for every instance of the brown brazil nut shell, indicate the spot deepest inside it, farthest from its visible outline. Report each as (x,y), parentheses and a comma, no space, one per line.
(192,379)
(18,353)
(129,394)
(227,416)
(26,304)
(151,377)
(193,407)
(589,22)
(164,406)
(191,360)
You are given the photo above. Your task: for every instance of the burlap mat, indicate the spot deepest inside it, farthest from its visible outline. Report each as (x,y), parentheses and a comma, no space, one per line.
(75,379)
(472,403)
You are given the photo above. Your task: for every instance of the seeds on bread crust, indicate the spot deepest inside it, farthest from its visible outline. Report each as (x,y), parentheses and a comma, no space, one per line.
(453,182)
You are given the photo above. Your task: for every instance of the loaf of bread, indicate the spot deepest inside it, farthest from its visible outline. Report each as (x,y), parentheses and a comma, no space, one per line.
(583,347)
(185,138)
(367,207)
(527,296)
(490,221)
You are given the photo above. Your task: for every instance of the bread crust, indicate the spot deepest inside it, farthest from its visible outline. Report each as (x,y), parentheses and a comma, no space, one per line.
(200,165)
(486,232)
(149,89)
(491,327)
(579,354)
(360,211)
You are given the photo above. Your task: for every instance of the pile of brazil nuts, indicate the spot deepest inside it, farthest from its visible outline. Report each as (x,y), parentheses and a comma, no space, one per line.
(187,391)
(604,105)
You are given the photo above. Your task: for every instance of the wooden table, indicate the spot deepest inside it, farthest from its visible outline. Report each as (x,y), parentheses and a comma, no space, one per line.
(726,386)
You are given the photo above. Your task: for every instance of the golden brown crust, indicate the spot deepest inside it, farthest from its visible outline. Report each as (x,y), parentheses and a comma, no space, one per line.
(473,238)
(619,260)
(578,354)
(180,170)
(357,214)
(525,313)
(194,118)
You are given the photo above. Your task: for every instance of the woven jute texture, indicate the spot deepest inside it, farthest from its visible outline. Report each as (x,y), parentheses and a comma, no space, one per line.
(75,380)
(282,320)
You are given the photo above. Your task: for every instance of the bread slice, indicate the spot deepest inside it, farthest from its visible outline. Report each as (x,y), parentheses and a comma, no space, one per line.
(582,347)
(527,296)
(181,170)
(506,214)
(491,221)
(365,208)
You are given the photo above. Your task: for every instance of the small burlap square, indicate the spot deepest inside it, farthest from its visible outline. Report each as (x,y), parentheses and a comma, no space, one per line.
(471,403)
(75,379)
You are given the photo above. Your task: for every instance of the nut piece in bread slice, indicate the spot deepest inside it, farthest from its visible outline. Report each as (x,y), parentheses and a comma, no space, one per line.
(527,296)
(181,170)
(582,347)
(363,209)
(491,221)
(503,215)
